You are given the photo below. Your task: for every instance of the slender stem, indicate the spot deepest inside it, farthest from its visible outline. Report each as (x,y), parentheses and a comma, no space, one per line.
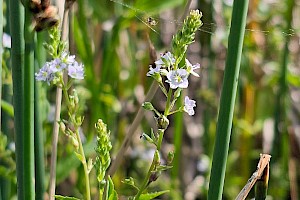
(17,59)
(54,143)
(1,47)
(146,180)
(101,191)
(167,110)
(56,125)
(29,176)
(86,174)
(230,82)
(152,167)
(38,130)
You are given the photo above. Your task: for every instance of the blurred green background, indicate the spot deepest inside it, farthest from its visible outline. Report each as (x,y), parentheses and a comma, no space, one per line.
(112,39)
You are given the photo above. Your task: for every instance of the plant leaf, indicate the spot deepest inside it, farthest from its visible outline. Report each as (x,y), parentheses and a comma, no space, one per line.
(152,195)
(111,192)
(59,197)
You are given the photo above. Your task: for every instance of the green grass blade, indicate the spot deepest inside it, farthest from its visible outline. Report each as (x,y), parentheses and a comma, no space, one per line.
(17,59)
(29,177)
(230,82)
(38,130)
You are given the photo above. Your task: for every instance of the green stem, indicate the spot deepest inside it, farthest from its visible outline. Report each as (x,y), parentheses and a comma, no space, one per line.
(178,130)
(101,192)
(167,110)
(230,82)
(152,167)
(85,168)
(66,96)
(17,59)
(38,132)
(29,177)
(146,180)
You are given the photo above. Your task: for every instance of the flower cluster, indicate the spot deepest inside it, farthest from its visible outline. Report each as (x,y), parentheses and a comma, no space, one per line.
(52,71)
(176,78)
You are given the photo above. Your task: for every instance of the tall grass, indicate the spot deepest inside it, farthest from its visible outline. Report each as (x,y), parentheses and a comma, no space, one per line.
(28,115)
(17,59)
(38,129)
(228,96)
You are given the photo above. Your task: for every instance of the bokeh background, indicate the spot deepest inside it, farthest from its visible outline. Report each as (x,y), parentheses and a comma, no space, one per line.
(113,39)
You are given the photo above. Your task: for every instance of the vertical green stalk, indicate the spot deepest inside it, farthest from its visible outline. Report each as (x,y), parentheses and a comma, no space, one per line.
(2,181)
(230,82)
(17,59)
(38,131)
(1,51)
(177,141)
(29,178)
(280,112)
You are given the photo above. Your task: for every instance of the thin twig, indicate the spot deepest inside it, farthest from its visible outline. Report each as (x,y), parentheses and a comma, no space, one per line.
(56,120)
(262,164)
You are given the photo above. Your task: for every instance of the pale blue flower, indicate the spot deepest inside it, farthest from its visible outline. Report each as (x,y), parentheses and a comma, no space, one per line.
(6,40)
(153,70)
(178,78)
(166,60)
(48,71)
(189,105)
(66,58)
(190,68)
(76,71)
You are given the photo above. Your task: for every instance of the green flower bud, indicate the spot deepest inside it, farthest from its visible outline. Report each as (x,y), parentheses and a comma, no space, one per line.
(75,142)
(103,151)
(62,127)
(177,93)
(170,157)
(186,35)
(148,106)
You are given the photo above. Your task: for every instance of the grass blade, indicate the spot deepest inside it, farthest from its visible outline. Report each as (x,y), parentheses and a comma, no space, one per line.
(230,82)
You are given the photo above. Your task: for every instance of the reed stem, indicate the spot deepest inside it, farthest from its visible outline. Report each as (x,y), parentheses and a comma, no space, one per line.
(230,82)
(17,60)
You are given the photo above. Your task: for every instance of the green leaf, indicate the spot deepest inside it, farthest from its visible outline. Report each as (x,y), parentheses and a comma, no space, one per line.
(65,198)
(111,192)
(163,167)
(152,195)
(146,137)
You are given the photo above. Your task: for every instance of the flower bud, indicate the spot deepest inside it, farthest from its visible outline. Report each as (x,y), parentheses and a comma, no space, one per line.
(62,126)
(148,106)
(170,157)
(75,142)
(162,122)
(177,92)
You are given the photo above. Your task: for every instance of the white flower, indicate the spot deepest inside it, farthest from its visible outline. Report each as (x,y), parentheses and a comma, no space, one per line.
(76,71)
(166,60)
(190,68)
(189,105)
(48,71)
(6,40)
(66,58)
(153,70)
(178,78)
